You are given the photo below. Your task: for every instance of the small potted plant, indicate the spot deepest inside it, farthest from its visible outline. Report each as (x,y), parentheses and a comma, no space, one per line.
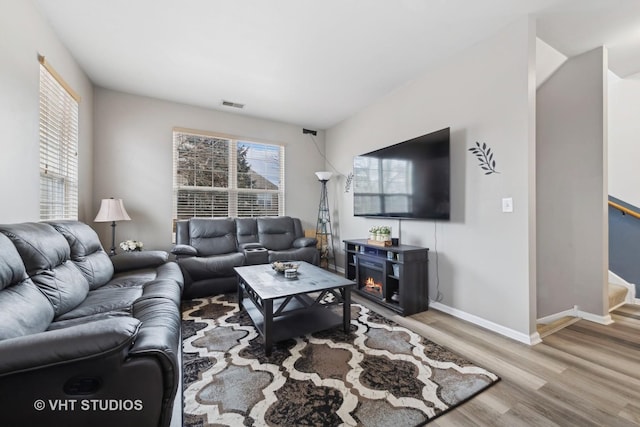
(384,233)
(373,232)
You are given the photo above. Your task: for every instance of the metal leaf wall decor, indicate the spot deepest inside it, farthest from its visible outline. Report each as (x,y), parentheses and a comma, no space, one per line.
(347,184)
(485,157)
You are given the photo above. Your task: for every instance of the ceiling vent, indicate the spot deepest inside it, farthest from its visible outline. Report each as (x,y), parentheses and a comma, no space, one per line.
(232,104)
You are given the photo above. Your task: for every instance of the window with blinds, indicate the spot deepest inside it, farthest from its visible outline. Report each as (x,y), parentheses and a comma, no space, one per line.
(58,147)
(215,176)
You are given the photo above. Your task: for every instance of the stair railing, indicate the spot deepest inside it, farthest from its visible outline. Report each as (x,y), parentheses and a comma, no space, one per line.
(624,236)
(624,210)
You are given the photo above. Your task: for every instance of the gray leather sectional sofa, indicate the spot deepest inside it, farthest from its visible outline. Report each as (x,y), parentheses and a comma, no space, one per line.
(207,249)
(85,339)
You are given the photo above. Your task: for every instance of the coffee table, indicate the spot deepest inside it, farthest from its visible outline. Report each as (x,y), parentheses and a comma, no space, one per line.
(283,308)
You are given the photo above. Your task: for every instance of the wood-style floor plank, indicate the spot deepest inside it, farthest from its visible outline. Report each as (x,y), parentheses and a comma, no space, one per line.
(585,374)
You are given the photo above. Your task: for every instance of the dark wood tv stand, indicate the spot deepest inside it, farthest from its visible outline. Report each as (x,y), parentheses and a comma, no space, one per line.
(398,275)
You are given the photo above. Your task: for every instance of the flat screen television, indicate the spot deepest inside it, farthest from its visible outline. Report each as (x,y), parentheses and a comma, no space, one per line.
(406,180)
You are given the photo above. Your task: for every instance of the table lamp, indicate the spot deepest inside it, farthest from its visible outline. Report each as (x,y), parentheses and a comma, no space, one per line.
(112,210)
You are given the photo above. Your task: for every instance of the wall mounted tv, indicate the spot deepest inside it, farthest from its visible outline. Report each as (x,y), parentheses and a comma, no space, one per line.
(405,180)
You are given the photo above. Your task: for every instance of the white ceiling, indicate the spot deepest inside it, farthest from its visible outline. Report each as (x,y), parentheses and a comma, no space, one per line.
(311,62)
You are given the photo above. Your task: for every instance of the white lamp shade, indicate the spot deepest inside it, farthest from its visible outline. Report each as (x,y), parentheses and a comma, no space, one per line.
(324,176)
(112,210)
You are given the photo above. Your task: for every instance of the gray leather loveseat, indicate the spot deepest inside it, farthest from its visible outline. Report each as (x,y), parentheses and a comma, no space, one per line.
(207,249)
(85,339)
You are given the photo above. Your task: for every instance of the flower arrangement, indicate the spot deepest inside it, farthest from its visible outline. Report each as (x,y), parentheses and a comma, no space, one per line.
(131,245)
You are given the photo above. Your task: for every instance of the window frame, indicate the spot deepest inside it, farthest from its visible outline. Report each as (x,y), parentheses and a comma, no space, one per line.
(234,192)
(58,140)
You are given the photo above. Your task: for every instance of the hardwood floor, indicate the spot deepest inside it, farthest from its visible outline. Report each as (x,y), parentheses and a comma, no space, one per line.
(583,375)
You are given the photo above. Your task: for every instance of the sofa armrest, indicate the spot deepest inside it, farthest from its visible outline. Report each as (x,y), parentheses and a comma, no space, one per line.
(252,245)
(135,260)
(184,250)
(254,253)
(80,342)
(159,337)
(305,242)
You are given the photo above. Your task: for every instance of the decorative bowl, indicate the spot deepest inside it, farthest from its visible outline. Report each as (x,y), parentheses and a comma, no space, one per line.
(281,266)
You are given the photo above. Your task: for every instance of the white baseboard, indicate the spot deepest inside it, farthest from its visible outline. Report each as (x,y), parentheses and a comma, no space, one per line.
(574,312)
(603,320)
(553,317)
(532,339)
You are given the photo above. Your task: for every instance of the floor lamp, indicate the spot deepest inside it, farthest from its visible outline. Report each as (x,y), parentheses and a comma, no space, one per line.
(323,226)
(112,210)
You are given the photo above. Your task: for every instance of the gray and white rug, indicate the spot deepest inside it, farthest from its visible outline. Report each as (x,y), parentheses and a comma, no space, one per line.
(380,374)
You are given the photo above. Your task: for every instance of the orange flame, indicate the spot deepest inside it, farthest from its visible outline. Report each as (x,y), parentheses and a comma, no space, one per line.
(371,286)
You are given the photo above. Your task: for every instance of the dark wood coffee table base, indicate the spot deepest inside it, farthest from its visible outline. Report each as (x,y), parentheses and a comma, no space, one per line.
(284,317)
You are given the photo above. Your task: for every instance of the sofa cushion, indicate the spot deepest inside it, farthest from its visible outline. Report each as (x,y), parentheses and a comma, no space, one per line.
(40,246)
(68,323)
(182,232)
(24,309)
(213,236)
(45,254)
(12,269)
(131,278)
(86,251)
(104,301)
(136,278)
(247,230)
(199,268)
(276,233)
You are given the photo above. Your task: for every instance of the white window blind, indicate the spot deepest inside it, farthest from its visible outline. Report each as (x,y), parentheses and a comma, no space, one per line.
(216,176)
(58,147)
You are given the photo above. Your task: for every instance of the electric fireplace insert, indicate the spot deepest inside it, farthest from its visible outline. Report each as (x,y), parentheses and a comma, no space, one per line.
(371,278)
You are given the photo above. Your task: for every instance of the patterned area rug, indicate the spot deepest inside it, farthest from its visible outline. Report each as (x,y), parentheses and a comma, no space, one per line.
(380,374)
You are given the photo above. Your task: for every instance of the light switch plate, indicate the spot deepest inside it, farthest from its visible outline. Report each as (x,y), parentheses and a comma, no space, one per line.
(507,204)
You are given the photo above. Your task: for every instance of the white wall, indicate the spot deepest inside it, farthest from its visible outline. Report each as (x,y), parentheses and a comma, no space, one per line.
(572,187)
(485,94)
(548,60)
(624,139)
(133,161)
(23,35)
